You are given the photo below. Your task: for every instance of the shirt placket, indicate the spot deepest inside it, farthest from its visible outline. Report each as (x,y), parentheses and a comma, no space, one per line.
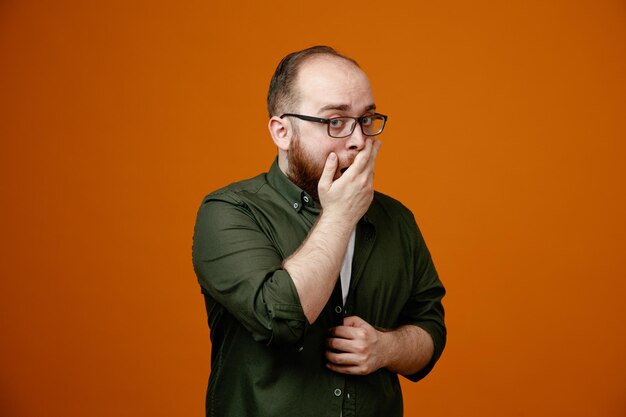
(342,386)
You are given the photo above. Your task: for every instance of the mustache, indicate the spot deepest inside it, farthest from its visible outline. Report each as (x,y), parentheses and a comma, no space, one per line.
(343,166)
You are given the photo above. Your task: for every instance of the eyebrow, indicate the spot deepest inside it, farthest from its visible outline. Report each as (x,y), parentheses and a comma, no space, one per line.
(344,107)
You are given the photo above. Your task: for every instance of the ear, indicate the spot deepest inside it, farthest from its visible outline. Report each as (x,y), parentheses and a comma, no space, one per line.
(280,129)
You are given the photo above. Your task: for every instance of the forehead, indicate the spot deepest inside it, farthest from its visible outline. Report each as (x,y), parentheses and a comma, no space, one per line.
(328,81)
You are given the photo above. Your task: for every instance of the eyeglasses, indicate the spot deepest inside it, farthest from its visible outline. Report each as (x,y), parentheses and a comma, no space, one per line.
(342,127)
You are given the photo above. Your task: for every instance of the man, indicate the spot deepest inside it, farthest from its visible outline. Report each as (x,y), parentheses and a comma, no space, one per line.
(319,291)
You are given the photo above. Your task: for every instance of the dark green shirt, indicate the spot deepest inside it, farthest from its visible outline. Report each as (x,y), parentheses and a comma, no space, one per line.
(267,359)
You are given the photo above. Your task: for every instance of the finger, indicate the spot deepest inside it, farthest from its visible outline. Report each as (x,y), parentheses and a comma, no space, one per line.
(341,358)
(361,160)
(377,144)
(348,370)
(340,344)
(343,332)
(375,148)
(374,154)
(353,321)
(328,174)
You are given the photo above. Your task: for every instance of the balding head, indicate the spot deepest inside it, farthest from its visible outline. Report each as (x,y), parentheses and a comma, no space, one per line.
(283,95)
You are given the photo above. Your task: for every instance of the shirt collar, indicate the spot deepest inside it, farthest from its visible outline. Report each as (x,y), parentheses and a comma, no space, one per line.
(295,196)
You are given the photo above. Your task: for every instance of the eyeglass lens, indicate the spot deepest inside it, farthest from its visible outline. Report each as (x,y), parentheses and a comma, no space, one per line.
(344,126)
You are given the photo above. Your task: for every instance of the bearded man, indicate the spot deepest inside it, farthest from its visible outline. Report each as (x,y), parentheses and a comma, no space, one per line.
(319,291)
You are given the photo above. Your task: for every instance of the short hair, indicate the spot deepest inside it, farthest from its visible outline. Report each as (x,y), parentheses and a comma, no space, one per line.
(281,94)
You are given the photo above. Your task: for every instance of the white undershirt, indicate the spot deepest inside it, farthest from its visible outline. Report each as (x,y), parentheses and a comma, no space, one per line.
(346,267)
(346,271)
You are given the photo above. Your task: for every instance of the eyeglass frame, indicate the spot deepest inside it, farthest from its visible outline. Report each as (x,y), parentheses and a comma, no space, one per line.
(327,122)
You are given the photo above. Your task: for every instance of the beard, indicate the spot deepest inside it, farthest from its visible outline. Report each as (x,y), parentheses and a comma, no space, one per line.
(303,170)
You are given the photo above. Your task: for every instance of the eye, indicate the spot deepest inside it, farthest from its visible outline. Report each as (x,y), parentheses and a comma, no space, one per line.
(366,120)
(336,123)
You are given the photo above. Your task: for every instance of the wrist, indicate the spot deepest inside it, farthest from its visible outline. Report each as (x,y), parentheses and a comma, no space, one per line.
(386,343)
(339,220)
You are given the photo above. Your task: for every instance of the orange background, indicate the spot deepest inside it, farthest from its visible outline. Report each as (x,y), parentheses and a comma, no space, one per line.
(506,139)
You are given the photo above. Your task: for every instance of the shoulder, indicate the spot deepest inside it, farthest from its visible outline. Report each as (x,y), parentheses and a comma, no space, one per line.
(256,198)
(388,201)
(390,215)
(228,208)
(384,206)
(230,202)
(238,192)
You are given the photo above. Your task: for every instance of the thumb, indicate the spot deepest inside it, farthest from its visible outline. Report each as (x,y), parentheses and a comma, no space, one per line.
(353,321)
(329,172)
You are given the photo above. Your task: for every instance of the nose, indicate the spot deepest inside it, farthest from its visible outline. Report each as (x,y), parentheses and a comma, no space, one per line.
(356,141)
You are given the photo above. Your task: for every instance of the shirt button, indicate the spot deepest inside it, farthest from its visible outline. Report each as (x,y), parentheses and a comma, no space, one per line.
(306,199)
(337,392)
(338,309)
(295,205)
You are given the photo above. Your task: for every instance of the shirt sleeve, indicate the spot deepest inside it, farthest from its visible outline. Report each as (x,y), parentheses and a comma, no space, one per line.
(238,266)
(424,308)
